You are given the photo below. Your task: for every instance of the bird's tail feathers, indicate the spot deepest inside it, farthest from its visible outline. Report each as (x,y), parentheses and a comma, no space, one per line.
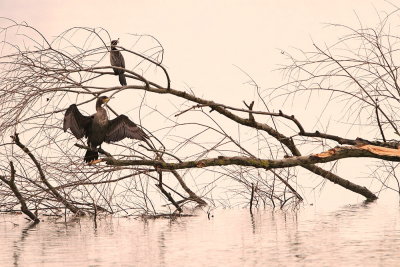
(122,79)
(91,155)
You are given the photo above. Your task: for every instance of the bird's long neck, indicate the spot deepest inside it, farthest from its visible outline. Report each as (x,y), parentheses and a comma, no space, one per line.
(100,118)
(98,106)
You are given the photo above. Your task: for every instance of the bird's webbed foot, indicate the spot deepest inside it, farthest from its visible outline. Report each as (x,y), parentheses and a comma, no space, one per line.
(95,161)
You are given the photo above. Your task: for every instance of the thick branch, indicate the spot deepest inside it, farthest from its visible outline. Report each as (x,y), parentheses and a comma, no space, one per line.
(262,126)
(302,132)
(167,194)
(43,177)
(362,190)
(191,194)
(337,153)
(307,162)
(18,195)
(222,110)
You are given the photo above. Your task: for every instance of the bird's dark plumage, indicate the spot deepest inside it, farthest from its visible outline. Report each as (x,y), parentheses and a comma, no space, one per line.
(116,59)
(98,129)
(122,127)
(78,123)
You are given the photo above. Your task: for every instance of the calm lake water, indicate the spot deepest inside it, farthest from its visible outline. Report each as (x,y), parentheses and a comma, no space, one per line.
(351,235)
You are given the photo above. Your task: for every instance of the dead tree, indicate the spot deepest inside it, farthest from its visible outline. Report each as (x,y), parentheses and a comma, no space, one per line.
(194,156)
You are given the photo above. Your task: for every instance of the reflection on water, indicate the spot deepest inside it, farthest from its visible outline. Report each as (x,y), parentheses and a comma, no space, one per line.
(350,236)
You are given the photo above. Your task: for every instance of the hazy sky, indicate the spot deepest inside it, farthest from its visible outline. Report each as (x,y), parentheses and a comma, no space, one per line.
(203,40)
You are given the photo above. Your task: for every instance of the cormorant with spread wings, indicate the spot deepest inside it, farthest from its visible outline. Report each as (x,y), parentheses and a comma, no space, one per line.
(98,128)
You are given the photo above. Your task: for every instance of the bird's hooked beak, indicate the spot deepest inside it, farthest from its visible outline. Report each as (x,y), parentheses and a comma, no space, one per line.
(106,100)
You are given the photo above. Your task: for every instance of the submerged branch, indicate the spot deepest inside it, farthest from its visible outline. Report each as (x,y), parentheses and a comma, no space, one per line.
(18,195)
(167,194)
(58,196)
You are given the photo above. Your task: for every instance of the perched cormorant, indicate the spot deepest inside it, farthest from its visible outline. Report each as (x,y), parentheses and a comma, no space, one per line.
(98,128)
(116,59)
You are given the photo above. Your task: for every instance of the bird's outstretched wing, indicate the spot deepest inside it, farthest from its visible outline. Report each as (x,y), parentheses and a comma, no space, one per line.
(78,123)
(122,127)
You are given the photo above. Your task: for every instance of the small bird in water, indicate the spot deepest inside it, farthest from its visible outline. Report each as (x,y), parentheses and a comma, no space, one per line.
(98,128)
(117,60)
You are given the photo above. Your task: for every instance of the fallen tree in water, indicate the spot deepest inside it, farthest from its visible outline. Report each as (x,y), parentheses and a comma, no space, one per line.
(198,150)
